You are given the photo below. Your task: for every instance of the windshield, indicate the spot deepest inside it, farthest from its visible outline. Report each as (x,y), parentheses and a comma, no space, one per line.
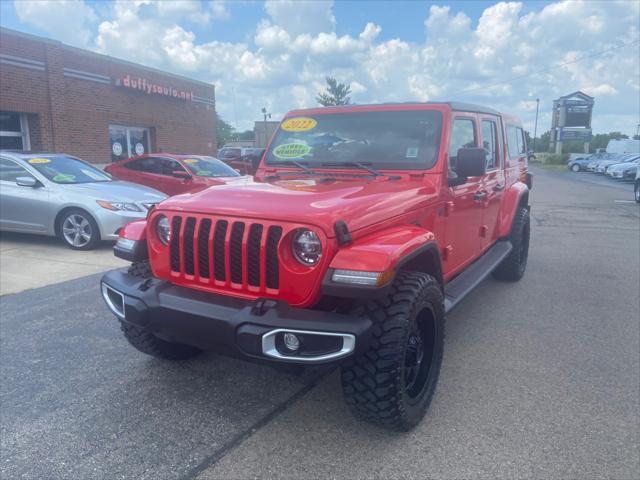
(390,139)
(230,152)
(62,169)
(209,167)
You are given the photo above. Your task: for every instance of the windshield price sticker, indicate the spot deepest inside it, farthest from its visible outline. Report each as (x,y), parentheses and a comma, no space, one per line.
(298,124)
(63,177)
(291,150)
(203,173)
(191,160)
(35,161)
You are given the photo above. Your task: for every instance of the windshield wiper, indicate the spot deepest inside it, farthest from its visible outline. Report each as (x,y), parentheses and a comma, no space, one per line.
(363,166)
(286,163)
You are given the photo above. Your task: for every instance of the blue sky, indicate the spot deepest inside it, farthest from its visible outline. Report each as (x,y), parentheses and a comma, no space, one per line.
(276,53)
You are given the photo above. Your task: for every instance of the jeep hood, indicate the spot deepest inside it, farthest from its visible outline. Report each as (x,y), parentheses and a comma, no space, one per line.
(359,202)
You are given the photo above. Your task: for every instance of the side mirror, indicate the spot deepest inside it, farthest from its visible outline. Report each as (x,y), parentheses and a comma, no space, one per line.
(27,182)
(471,162)
(181,174)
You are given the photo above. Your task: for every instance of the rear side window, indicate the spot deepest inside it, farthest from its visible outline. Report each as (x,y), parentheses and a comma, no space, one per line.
(463,135)
(515,141)
(490,142)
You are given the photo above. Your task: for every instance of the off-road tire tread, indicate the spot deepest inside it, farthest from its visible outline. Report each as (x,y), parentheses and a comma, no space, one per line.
(372,382)
(145,341)
(509,268)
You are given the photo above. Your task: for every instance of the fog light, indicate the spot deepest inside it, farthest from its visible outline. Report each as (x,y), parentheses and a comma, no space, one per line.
(291,341)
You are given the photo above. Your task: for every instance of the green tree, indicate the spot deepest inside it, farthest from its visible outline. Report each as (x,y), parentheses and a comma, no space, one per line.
(542,142)
(224,131)
(246,135)
(335,94)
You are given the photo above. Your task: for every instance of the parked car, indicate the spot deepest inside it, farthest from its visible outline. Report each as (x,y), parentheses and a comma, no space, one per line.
(636,186)
(60,195)
(597,158)
(245,160)
(623,170)
(602,166)
(579,164)
(174,174)
(349,251)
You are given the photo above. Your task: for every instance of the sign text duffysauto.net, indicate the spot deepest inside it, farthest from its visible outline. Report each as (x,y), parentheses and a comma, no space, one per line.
(152,88)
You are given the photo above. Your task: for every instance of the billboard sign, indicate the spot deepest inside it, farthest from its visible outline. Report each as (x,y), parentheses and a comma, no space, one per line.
(583,135)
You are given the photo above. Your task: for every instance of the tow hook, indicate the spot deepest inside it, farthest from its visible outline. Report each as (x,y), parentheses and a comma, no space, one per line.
(261,306)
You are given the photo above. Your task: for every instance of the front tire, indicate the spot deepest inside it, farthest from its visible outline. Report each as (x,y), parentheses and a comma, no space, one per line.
(393,382)
(78,230)
(146,342)
(513,266)
(575,167)
(636,191)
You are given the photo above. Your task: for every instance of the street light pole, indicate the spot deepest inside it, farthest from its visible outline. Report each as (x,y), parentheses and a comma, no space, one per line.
(266,115)
(535,127)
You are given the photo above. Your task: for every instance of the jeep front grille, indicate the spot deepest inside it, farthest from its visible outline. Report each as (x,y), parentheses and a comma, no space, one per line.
(236,254)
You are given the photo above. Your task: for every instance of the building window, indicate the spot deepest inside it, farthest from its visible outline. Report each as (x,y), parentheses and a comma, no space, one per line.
(128,142)
(14,131)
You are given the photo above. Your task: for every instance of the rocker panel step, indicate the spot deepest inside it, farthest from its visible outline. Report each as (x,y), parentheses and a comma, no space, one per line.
(458,288)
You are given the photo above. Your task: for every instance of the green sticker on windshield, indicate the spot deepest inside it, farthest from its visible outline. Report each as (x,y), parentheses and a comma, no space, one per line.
(64,178)
(203,173)
(291,150)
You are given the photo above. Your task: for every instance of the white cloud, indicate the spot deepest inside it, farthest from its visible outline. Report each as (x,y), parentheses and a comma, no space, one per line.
(66,20)
(284,60)
(302,16)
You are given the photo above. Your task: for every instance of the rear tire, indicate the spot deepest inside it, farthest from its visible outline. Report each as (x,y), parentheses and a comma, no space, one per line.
(393,382)
(636,191)
(575,167)
(512,268)
(147,342)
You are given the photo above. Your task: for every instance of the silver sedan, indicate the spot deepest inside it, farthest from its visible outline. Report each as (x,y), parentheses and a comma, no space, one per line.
(60,195)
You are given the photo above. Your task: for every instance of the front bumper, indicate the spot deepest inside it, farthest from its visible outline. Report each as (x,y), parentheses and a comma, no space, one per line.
(240,328)
(111,222)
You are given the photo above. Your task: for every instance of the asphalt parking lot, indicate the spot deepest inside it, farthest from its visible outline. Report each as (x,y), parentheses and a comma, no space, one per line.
(540,378)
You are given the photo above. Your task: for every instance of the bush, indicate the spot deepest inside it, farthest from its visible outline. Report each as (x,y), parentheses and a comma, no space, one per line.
(557,159)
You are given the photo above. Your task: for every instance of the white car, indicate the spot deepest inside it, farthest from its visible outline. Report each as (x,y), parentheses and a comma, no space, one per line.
(623,170)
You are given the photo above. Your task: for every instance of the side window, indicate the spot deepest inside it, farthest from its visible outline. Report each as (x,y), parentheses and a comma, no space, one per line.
(463,135)
(513,143)
(169,166)
(522,143)
(490,142)
(147,165)
(10,171)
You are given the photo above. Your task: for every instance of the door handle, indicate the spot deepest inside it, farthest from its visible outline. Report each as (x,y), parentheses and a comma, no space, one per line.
(498,188)
(480,196)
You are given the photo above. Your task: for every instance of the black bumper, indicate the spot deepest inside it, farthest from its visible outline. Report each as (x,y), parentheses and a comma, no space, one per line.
(228,325)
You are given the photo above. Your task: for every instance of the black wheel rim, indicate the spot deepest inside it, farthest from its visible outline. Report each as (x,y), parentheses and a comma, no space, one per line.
(419,354)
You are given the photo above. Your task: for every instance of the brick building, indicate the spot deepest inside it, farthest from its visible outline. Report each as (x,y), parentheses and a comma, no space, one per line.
(58,98)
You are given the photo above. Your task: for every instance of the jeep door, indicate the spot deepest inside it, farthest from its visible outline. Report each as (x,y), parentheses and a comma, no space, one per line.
(22,208)
(493,182)
(462,238)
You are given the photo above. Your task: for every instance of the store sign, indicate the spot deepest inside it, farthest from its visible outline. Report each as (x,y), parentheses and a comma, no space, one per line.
(151,88)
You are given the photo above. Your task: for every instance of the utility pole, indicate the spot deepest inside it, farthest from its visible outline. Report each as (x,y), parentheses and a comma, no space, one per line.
(535,127)
(266,115)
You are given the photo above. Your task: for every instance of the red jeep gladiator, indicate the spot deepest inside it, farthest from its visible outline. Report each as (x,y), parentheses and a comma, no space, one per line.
(363,227)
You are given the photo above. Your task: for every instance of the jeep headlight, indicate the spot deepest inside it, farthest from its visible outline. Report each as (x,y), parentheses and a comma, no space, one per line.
(163,229)
(306,247)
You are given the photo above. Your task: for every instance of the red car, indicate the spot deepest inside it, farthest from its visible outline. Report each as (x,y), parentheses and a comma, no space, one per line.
(174,174)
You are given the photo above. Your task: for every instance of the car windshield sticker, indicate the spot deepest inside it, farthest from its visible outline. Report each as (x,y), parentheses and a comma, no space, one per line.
(298,124)
(203,173)
(63,177)
(191,160)
(35,161)
(291,150)
(412,152)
